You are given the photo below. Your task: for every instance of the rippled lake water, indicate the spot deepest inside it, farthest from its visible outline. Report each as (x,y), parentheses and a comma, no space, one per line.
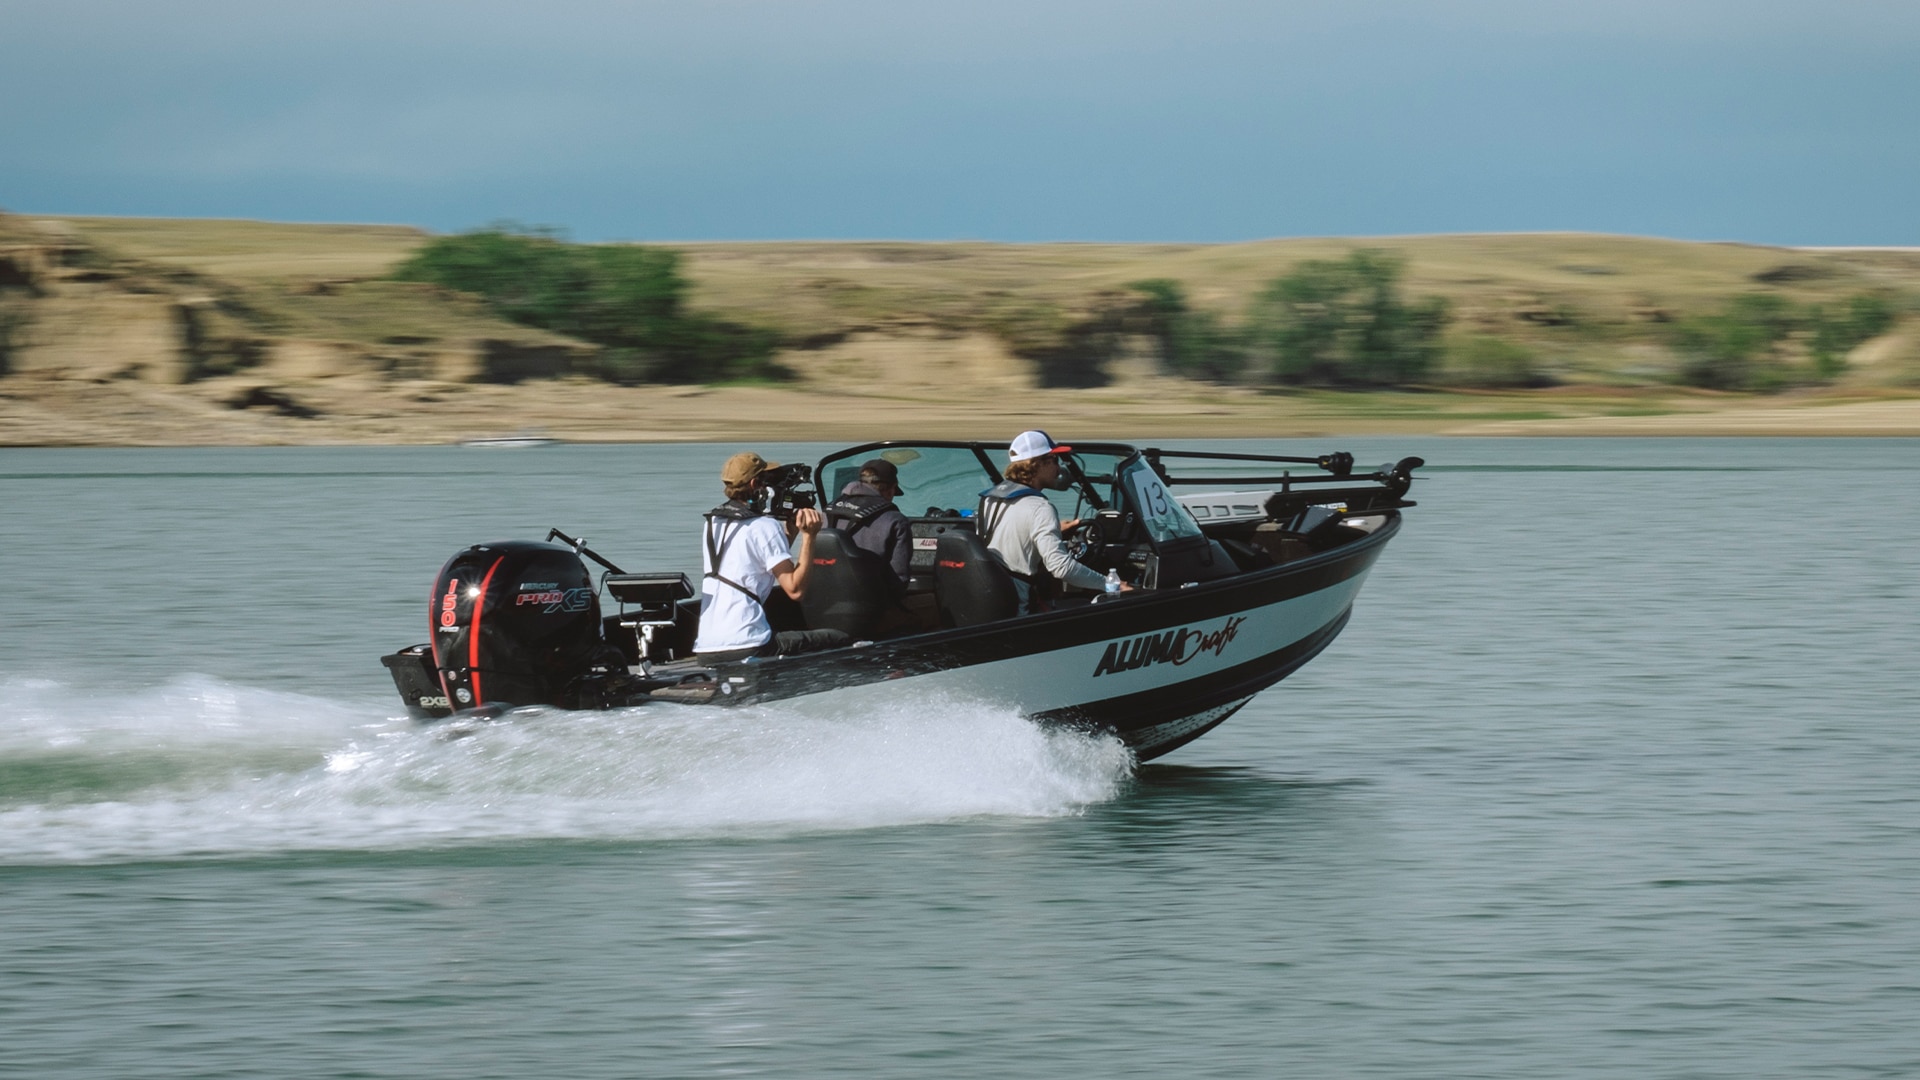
(1612,774)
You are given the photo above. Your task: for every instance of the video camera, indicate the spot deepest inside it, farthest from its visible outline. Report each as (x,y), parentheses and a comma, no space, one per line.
(783,490)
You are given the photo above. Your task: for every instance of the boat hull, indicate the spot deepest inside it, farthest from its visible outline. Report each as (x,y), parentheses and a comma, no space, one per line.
(1157,669)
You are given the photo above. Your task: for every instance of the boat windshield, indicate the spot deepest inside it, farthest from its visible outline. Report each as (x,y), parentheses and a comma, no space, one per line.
(937,479)
(1097,466)
(1165,519)
(933,479)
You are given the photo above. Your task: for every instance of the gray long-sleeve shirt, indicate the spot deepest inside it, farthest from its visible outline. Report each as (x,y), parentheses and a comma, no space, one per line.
(1028,539)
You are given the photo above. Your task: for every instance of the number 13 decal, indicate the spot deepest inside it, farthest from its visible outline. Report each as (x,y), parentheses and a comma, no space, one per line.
(1156,498)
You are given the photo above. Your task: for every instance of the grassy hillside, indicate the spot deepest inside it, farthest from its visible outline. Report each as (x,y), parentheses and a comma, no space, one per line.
(1590,309)
(1595,309)
(181,331)
(251,251)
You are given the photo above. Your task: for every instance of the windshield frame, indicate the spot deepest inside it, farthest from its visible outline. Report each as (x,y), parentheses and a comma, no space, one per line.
(988,454)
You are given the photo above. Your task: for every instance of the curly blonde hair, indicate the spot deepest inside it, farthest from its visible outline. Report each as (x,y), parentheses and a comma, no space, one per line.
(1024,472)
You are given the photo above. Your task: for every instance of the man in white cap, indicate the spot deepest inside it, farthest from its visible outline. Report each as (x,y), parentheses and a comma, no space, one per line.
(1022,528)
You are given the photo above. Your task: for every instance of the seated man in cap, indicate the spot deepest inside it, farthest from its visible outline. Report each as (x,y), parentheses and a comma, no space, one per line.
(745,555)
(865,509)
(1022,529)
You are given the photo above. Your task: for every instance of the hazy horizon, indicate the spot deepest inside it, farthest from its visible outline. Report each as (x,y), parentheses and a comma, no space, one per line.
(1759,122)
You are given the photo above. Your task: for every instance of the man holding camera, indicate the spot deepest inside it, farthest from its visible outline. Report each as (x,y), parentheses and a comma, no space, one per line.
(744,556)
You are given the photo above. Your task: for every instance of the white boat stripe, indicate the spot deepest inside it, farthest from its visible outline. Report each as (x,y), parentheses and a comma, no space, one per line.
(1062,678)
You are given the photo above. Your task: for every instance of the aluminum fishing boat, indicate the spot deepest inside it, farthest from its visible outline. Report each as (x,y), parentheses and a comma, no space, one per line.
(1236,585)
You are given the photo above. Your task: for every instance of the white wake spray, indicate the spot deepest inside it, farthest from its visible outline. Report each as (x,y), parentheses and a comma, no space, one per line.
(201,767)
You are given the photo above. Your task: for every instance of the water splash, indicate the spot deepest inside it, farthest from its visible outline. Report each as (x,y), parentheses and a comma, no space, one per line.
(200,767)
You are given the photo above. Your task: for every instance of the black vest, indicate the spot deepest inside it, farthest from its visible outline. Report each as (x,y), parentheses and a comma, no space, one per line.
(855,512)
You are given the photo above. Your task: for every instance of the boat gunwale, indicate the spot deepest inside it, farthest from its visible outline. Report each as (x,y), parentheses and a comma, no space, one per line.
(1132,604)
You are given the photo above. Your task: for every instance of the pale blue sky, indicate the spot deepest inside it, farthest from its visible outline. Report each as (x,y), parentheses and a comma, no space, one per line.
(1752,120)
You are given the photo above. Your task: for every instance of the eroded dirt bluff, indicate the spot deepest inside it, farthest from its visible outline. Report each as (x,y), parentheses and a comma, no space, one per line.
(105,348)
(98,347)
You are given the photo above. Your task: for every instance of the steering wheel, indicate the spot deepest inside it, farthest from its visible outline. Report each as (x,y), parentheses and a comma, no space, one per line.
(1083,540)
(1078,546)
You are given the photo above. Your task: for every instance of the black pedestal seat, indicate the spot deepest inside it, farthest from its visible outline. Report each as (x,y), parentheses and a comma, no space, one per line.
(848,587)
(971,585)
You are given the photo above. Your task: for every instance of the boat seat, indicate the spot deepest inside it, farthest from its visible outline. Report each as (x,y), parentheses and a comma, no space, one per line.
(848,588)
(971,585)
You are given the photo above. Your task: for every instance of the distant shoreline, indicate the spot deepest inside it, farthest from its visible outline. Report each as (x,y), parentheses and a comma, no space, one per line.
(572,411)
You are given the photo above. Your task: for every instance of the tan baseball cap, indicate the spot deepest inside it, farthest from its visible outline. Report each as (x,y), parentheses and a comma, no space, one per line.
(743,467)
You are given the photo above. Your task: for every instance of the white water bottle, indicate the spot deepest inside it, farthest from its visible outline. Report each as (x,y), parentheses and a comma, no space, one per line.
(1113,581)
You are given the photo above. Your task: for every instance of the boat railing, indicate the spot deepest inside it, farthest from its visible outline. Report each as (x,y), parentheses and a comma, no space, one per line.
(1382,489)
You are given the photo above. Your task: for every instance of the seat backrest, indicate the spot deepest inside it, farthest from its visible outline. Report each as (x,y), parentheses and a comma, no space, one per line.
(970,584)
(848,587)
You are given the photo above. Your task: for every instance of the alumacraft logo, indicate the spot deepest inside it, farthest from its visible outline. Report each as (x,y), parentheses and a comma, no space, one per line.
(1172,647)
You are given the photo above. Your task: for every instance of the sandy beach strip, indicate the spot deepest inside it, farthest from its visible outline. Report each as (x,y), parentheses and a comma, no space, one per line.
(344,412)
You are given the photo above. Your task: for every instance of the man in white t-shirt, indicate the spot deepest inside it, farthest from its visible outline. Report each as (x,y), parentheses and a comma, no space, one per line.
(743,557)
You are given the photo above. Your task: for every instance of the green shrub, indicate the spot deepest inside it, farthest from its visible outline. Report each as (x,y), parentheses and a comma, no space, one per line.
(1342,322)
(13,325)
(1738,347)
(1161,300)
(1732,349)
(1069,349)
(1493,363)
(1201,346)
(1195,344)
(1867,316)
(626,298)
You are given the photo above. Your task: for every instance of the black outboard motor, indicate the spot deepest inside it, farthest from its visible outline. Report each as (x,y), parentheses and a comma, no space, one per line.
(514,623)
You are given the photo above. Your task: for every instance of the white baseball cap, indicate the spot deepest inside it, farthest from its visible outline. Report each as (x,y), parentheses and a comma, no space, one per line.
(1032,444)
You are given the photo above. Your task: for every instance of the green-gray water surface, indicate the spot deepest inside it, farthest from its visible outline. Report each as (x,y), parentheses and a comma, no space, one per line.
(1611,775)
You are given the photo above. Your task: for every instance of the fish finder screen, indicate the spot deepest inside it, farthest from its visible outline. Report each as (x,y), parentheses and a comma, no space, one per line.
(1163,516)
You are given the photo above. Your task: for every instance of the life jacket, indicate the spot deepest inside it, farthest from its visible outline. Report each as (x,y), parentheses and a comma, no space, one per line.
(854,512)
(1042,586)
(994,503)
(719,538)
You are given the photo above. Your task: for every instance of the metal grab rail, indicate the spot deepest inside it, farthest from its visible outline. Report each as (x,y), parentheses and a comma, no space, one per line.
(1395,477)
(1340,463)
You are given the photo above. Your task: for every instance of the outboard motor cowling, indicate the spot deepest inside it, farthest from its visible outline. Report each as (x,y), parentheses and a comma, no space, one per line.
(513,623)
